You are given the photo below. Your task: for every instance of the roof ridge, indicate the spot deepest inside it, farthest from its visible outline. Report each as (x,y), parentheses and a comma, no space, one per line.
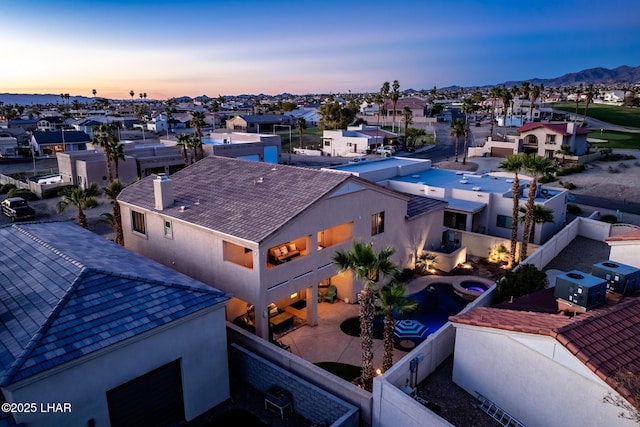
(48,245)
(42,330)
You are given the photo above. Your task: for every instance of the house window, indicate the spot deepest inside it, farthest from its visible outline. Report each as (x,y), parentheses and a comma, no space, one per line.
(377,223)
(551,139)
(327,143)
(503,221)
(349,144)
(137,222)
(168,230)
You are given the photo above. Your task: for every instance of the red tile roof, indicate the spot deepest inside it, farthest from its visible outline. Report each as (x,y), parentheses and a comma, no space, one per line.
(560,128)
(625,237)
(605,340)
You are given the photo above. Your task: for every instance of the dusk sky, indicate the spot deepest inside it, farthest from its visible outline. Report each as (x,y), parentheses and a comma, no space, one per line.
(196,47)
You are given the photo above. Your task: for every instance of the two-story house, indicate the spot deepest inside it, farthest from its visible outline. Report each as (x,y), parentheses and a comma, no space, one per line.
(545,139)
(267,233)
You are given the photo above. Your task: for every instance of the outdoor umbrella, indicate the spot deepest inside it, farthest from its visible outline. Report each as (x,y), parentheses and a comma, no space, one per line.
(409,329)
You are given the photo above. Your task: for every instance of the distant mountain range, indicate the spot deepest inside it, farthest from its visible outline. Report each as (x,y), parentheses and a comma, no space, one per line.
(599,75)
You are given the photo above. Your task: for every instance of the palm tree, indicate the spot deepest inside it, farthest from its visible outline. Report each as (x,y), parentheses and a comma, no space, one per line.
(184,141)
(116,153)
(112,191)
(468,107)
(392,299)
(367,265)
(384,92)
(131,93)
(590,93)
(506,97)
(534,94)
(494,93)
(514,164)
(104,137)
(525,91)
(301,125)
(457,130)
(536,166)
(578,93)
(407,119)
(394,95)
(79,198)
(541,215)
(197,123)
(94,92)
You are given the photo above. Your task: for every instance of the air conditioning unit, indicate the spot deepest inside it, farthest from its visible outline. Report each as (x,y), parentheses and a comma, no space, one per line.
(581,289)
(622,279)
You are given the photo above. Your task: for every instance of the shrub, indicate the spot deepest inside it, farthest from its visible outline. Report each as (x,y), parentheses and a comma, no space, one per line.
(568,185)
(611,219)
(4,189)
(574,209)
(90,203)
(524,280)
(499,253)
(403,276)
(426,261)
(22,192)
(54,192)
(547,178)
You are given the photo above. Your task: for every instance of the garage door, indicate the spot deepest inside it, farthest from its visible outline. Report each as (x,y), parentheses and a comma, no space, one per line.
(153,399)
(501,152)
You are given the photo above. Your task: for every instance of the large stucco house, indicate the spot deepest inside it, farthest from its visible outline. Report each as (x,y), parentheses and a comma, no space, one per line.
(267,233)
(89,325)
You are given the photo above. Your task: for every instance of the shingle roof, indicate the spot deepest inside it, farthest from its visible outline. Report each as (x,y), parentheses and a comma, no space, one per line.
(265,118)
(67,292)
(420,204)
(605,340)
(249,200)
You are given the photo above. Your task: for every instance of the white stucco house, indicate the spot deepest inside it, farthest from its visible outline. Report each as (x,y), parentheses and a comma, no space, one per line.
(355,140)
(549,369)
(267,233)
(480,203)
(88,325)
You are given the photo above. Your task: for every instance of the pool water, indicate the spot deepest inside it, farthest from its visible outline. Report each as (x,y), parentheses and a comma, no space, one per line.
(436,303)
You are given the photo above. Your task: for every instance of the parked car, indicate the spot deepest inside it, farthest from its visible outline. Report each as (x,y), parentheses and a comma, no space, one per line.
(17,209)
(357,159)
(387,149)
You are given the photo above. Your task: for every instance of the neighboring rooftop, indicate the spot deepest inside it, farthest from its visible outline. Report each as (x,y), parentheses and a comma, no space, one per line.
(67,292)
(605,339)
(561,128)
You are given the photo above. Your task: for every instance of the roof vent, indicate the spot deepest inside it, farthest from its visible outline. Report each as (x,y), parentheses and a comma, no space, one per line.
(463,181)
(459,173)
(476,188)
(610,265)
(575,276)
(260,180)
(415,176)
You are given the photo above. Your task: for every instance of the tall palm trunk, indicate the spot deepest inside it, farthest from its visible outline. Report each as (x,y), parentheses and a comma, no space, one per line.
(82,218)
(515,192)
(117,216)
(493,117)
(367,312)
(388,333)
(531,199)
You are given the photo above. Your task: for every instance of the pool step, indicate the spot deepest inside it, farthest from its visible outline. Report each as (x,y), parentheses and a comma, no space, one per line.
(497,413)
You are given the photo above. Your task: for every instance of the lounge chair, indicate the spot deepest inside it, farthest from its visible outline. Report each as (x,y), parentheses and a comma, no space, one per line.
(330,295)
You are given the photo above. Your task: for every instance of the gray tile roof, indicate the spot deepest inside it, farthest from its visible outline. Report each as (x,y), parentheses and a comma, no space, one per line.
(249,200)
(66,292)
(418,205)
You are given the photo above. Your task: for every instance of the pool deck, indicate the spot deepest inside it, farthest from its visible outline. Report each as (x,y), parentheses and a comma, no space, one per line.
(327,343)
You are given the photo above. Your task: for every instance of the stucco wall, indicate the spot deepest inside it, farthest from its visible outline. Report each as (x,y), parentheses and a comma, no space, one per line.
(198,340)
(532,377)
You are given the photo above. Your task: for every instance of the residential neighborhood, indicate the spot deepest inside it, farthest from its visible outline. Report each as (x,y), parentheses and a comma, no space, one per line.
(353,214)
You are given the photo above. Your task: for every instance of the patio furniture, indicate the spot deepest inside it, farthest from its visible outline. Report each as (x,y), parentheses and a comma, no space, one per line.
(281,320)
(278,398)
(330,294)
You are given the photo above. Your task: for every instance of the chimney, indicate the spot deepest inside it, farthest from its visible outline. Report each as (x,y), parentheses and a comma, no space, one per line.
(163,191)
